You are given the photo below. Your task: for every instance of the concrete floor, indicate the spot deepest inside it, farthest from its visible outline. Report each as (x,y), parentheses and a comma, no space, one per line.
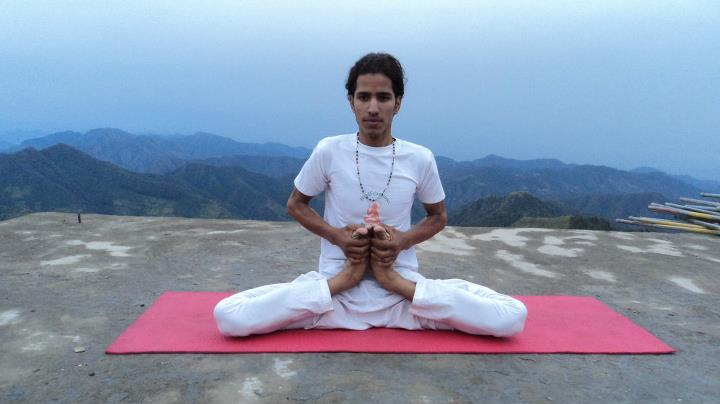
(66,286)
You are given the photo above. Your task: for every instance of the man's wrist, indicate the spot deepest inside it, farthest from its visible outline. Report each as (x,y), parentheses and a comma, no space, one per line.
(405,242)
(333,235)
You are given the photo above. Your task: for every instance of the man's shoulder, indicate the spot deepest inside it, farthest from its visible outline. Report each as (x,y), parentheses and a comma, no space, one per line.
(415,149)
(333,141)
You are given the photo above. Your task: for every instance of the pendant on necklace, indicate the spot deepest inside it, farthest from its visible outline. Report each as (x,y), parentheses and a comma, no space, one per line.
(373,196)
(373,214)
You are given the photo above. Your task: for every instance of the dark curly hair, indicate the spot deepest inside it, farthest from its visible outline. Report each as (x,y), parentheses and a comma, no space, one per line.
(374,63)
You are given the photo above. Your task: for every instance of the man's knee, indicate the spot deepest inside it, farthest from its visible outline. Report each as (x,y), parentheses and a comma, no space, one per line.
(513,321)
(229,320)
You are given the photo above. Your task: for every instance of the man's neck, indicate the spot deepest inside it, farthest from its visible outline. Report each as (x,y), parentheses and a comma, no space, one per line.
(376,140)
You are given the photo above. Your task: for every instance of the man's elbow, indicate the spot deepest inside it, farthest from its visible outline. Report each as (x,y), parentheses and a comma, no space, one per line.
(440,219)
(291,207)
(443,220)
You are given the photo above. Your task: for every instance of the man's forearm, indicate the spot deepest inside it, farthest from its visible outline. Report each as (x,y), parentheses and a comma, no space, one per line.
(425,229)
(311,220)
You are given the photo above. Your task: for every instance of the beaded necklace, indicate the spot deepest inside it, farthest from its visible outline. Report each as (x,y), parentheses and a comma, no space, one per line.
(373,196)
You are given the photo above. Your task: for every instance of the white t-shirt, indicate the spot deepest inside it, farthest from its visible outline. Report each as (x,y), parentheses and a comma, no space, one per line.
(331,168)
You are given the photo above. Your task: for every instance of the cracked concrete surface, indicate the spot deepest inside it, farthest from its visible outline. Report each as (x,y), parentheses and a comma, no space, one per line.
(65,285)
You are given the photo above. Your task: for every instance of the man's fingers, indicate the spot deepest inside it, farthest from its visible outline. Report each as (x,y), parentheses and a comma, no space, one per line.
(380,242)
(359,242)
(357,251)
(356,259)
(383,259)
(383,254)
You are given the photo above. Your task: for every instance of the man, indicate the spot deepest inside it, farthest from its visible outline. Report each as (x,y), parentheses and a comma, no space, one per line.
(368,271)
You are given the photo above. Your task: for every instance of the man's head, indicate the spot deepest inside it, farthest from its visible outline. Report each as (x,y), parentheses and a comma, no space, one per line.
(375,85)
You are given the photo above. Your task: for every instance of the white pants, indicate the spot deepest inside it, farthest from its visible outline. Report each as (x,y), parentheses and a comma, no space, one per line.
(306,303)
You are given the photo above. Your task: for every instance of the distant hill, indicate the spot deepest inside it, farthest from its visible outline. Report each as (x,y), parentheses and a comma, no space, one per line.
(645,170)
(61,178)
(564,222)
(503,211)
(704,185)
(272,166)
(246,194)
(614,207)
(492,160)
(464,183)
(521,209)
(158,154)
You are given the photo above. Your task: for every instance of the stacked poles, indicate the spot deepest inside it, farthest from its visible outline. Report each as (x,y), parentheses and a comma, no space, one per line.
(696,216)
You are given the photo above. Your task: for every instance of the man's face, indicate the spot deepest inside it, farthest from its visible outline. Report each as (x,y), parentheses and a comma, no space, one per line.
(374,104)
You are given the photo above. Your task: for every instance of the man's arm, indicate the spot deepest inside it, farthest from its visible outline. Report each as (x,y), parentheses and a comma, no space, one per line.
(298,206)
(431,225)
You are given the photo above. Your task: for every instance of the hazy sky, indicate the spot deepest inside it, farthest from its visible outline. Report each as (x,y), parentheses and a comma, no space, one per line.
(619,83)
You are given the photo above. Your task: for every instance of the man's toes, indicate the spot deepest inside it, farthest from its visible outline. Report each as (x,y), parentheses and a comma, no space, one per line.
(381,233)
(360,232)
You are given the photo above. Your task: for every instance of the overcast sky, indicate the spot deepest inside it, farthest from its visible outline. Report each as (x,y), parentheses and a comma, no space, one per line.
(618,83)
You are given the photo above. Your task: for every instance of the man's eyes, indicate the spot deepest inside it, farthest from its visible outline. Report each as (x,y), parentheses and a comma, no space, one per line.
(381,97)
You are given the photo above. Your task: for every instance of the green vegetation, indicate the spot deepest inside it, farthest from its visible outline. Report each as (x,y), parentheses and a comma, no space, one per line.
(564,222)
(521,209)
(63,179)
(503,211)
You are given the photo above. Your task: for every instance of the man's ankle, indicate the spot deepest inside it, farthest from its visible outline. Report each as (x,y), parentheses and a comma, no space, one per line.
(340,282)
(394,282)
(356,271)
(348,278)
(385,277)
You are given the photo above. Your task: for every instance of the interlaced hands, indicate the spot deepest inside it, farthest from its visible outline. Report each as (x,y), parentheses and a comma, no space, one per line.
(381,243)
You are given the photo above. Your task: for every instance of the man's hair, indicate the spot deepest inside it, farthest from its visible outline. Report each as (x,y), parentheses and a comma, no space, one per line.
(374,63)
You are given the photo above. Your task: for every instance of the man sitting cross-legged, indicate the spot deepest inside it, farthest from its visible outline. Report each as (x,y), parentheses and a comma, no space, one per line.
(368,273)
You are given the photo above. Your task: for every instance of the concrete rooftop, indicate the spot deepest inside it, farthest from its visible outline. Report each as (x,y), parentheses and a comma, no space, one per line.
(65,285)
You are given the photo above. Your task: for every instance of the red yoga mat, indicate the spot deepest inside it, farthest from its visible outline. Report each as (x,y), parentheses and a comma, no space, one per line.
(182,322)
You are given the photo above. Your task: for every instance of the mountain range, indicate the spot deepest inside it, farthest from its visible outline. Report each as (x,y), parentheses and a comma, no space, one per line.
(156,154)
(521,209)
(206,175)
(64,179)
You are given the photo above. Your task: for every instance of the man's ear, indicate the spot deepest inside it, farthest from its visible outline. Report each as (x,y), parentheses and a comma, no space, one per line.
(350,100)
(398,102)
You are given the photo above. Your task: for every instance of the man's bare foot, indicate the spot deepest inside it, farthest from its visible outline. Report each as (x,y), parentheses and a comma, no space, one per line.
(353,271)
(384,269)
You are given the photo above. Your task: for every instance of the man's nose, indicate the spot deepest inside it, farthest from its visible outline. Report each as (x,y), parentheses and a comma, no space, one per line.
(373,107)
